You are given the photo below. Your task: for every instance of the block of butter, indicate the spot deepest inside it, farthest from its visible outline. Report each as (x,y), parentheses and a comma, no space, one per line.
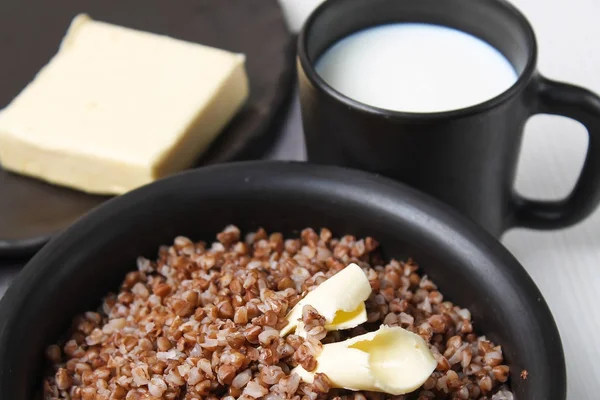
(117,108)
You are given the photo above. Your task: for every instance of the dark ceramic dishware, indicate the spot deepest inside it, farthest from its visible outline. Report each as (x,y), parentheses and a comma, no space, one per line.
(466,157)
(32,211)
(90,258)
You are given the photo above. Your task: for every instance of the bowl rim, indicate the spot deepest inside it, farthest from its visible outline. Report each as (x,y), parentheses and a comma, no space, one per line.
(450,229)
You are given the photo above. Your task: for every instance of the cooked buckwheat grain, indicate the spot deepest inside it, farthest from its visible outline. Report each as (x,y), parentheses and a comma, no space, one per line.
(202,321)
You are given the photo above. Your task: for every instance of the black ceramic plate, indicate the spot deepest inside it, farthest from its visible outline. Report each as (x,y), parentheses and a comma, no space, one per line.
(30,31)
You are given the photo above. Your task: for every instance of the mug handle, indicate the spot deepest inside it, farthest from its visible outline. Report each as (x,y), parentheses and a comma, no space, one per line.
(584,106)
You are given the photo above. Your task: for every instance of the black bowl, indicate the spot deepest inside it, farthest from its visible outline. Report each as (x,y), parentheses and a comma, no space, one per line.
(90,258)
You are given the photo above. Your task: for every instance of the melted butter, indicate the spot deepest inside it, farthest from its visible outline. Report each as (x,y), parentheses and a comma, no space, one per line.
(347,319)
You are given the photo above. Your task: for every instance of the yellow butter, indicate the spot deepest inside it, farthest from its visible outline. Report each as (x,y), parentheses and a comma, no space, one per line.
(340,299)
(390,360)
(117,108)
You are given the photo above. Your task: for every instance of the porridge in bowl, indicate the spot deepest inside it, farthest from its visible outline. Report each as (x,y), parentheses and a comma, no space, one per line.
(212,321)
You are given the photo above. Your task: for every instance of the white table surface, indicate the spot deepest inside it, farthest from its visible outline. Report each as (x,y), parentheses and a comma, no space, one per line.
(565,264)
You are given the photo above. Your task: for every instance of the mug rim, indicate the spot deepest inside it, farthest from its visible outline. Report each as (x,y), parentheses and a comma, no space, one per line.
(522,81)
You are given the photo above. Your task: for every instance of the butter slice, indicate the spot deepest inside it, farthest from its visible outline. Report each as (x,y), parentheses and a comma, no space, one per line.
(117,108)
(340,299)
(390,360)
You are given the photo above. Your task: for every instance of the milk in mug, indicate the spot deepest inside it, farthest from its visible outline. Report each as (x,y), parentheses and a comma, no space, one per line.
(416,67)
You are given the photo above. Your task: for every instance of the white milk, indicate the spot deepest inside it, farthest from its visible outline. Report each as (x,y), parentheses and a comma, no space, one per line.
(416,67)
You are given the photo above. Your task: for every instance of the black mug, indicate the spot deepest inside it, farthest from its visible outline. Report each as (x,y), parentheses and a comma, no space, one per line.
(465,157)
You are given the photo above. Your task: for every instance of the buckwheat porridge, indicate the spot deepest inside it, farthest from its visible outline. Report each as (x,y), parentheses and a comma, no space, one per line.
(203,321)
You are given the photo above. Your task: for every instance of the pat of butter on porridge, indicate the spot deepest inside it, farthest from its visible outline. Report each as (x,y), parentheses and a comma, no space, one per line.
(340,299)
(391,360)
